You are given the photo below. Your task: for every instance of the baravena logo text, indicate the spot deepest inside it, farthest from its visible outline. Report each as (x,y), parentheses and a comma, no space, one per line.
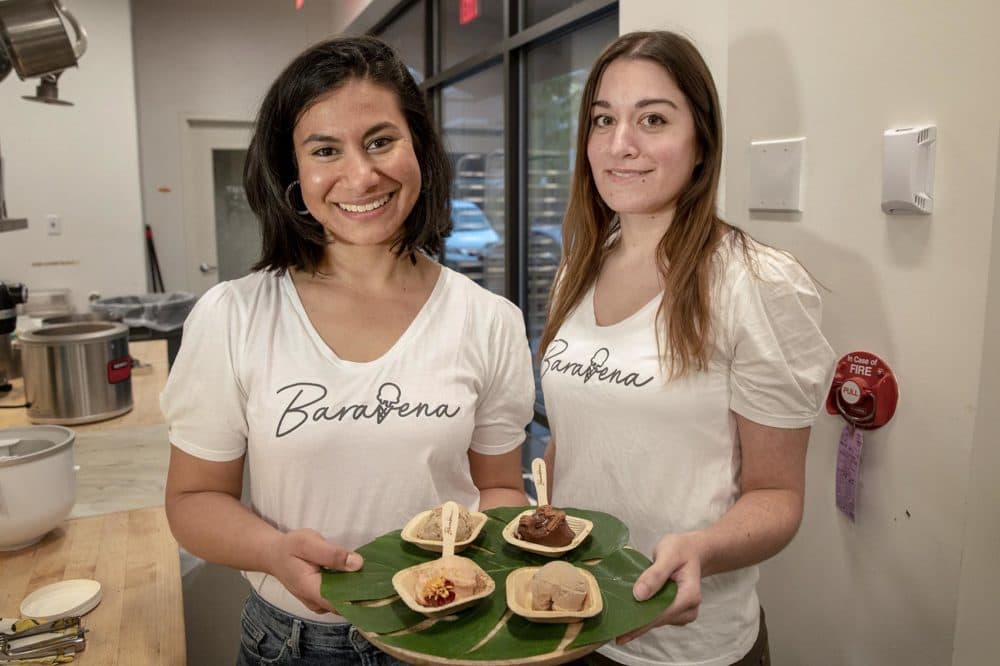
(597,369)
(305,404)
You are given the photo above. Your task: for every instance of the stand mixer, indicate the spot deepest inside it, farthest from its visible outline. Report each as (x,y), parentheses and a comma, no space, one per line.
(10,296)
(35,41)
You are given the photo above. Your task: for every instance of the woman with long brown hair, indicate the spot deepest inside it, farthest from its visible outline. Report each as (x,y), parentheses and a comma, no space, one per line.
(682,362)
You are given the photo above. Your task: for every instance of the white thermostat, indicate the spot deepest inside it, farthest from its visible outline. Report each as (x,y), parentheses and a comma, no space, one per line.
(908,170)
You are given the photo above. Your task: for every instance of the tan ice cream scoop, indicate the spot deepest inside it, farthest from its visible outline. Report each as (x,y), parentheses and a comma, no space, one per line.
(558,586)
(431,527)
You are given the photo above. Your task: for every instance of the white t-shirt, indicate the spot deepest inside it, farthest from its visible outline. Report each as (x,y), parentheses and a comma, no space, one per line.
(352,450)
(664,456)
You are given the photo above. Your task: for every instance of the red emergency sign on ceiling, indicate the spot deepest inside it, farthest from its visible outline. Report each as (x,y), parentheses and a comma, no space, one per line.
(468,10)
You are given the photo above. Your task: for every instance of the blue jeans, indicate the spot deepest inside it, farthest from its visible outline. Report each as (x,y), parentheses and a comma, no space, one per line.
(272,636)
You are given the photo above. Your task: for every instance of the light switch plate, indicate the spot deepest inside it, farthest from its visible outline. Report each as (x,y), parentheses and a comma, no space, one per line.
(54,224)
(776,174)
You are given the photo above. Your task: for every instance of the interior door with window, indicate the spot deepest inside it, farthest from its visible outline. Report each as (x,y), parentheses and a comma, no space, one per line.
(222,237)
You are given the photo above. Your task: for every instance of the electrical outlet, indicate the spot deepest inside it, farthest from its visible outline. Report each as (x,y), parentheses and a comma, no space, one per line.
(54,224)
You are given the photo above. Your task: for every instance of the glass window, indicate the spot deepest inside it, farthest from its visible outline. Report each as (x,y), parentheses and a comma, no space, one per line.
(547,84)
(473,130)
(556,74)
(537,439)
(406,34)
(237,234)
(467,26)
(536,11)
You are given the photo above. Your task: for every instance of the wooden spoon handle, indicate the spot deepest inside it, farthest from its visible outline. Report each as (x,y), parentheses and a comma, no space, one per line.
(449,528)
(541,479)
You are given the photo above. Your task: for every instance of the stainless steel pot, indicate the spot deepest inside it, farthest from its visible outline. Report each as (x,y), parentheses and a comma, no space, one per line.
(73,318)
(77,372)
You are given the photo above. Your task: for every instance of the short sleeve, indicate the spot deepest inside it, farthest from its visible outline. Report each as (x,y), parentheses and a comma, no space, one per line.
(203,401)
(781,363)
(506,405)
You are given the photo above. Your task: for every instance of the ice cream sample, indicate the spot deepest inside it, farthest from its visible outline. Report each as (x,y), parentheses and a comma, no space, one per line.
(558,586)
(546,527)
(430,529)
(448,580)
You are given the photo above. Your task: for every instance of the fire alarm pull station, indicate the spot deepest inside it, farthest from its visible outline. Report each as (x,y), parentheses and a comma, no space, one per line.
(864,392)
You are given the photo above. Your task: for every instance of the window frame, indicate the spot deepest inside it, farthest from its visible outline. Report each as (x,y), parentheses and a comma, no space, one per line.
(509,53)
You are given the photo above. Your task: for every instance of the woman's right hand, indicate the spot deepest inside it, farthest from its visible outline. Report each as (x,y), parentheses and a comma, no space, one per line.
(297,558)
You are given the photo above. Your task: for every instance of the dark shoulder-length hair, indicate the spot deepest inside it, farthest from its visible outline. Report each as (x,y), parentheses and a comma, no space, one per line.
(298,241)
(685,252)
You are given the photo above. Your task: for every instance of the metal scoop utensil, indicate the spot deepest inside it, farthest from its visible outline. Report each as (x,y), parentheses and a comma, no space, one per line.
(71,640)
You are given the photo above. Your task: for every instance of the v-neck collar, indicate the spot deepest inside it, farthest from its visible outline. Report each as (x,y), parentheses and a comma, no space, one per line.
(589,300)
(420,321)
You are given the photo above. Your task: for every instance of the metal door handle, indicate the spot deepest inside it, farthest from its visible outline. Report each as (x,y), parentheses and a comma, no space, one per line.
(207,268)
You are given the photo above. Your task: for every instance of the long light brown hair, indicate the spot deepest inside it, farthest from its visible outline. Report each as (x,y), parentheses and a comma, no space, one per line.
(685,252)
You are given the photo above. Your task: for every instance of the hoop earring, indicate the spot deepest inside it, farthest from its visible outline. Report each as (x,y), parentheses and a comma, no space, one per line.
(288,198)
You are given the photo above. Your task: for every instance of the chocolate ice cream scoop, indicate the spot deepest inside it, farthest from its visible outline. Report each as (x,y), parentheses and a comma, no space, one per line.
(546,527)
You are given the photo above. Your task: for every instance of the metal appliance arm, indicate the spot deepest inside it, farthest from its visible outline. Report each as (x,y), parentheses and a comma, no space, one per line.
(8,224)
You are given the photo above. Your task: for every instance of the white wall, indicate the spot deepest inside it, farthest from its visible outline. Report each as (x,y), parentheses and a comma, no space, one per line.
(81,163)
(890,588)
(211,60)
(706,23)
(979,589)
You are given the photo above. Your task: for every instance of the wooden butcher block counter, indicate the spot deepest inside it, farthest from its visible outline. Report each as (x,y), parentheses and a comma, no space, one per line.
(117,533)
(140,619)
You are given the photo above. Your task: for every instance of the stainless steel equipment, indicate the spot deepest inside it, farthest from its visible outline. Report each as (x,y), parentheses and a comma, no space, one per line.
(77,373)
(10,360)
(63,636)
(10,366)
(73,318)
(35,36)
(7,223)
(5,65)
(35,42)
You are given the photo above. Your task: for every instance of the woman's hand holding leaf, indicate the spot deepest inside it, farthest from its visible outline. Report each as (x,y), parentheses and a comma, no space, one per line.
(676,557)
(296,559)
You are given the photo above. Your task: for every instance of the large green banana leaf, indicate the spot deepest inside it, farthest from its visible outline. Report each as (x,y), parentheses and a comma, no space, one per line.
(367,599)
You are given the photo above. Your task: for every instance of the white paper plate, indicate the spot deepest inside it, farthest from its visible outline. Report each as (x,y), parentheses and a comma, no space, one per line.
(62,599)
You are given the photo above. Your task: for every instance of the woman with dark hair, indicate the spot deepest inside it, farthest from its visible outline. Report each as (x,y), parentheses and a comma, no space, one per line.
(360,381)
(681,360)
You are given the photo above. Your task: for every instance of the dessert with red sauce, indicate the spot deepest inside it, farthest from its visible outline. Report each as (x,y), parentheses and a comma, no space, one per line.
(450,579)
